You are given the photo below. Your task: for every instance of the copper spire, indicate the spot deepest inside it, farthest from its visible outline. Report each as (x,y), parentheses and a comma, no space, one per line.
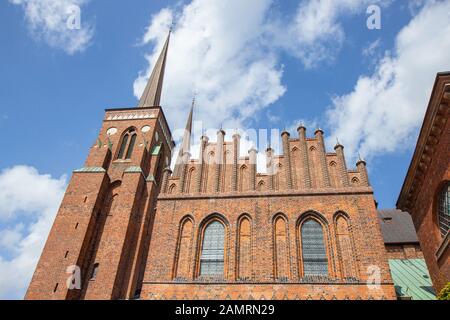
(152,93)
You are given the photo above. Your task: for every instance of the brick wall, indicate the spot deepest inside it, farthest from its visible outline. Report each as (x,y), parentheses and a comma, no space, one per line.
(424,213)
(107,213)
(262,210)
(403,251)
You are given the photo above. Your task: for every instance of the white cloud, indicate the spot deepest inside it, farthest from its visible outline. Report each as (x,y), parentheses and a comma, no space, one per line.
(218,50)
(317,35)
(384,111)
(28,205)
(371,49)
(228,52)
(48,21)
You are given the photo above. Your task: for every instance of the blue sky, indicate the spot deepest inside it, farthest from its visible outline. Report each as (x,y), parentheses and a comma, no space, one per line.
(257,64)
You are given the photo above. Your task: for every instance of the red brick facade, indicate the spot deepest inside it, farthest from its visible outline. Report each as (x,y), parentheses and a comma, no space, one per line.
(403,251)
(132,228)
(262,215)
(107,213)
(429,172)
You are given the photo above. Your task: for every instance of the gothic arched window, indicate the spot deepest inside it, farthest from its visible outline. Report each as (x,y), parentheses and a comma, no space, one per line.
(315,262)
(127,145)
(212,257)
(131,146)
(184,249)
(244,266)
(281,253)
(345,247)
(444,210)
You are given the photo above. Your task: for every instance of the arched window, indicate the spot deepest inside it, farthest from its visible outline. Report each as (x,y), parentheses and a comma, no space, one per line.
(131,146)
(334,175)
(127,145)
(315,262)
(355,181)
(172,188)
(210,173)
(123,146)
(212,257)
(244,250)
(345,248)
(243,177)
(281,255)
(190,185)
(444,210)
(261,186)
(184,249)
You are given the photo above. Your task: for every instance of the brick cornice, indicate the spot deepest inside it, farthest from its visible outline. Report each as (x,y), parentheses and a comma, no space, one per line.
(262,283)
(271,194)
(429,136)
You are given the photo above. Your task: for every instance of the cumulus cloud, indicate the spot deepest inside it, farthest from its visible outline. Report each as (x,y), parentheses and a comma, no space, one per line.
(217,50)
(383,112)
(316,35)
(371,49)
(228,53)
(28,205)
(56,23)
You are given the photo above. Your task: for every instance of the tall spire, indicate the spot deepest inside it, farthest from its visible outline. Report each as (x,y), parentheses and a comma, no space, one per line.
(185,149)
(152,93)
(186,146)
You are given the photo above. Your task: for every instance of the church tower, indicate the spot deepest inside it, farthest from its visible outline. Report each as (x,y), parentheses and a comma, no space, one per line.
(215,228)
(98,245)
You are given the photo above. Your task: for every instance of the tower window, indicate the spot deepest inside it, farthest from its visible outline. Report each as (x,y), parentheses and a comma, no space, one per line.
(127,145)
(123,146)
(444,210)
(212,257)
(94,271)
(315,262)
(156,150)
(131,146)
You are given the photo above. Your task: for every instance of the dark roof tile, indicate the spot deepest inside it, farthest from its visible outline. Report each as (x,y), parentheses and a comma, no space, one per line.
(397,227)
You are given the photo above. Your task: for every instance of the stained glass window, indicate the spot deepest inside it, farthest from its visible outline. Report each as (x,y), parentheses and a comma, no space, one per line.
(315,260)
(444,210)
(211,260)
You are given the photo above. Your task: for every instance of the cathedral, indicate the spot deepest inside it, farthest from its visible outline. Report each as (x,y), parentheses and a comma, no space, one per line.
(214,228)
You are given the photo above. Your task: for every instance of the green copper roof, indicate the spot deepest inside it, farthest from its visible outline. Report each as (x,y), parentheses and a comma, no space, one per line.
(411,279)
(133,169)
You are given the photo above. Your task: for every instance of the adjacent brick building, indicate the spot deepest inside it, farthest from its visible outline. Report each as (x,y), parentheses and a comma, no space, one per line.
(215,228)
(408,268)
(426,189)
(400,238)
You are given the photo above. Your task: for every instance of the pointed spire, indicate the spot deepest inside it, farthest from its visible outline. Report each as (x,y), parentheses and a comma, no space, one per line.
(186,146)
(152,93)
